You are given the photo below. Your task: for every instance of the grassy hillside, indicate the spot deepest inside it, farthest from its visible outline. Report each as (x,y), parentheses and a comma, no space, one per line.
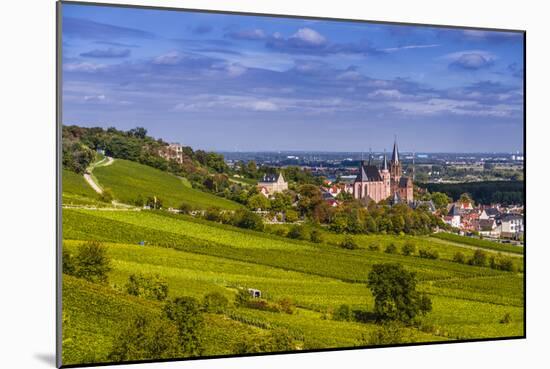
(484,244)
(77,192)
(93,315)
(129,180)
(196,257)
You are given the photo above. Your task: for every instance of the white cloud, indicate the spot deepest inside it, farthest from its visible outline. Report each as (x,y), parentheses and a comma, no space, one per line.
(408,47)
(309,36)
(170,58)
(386,94)
(83,67)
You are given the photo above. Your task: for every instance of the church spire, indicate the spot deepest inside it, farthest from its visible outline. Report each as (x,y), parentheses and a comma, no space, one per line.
(395,153)
(385,162)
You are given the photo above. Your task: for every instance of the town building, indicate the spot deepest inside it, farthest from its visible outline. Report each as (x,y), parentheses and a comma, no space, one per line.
(511,226)
(173,151)
(374,183)
(271,184)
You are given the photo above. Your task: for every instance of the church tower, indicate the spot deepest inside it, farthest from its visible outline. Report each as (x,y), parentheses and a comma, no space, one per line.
(395,163)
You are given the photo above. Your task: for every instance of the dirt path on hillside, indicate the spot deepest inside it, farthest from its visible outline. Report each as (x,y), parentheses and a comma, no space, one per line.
(92,183)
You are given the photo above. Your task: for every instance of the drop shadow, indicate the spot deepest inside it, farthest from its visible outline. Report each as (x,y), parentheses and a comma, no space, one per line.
(46,358)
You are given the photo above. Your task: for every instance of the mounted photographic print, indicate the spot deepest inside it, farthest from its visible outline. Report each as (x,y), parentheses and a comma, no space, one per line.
(239,184)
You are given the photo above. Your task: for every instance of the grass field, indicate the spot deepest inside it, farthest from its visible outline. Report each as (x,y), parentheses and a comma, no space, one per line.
(484,244)
(196,257)
(129,180)
(77,192)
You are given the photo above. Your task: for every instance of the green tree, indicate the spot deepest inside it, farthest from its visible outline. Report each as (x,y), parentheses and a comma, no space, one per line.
(291,216)
(395,295)
(440,200)
(459,257)
(343,313)
(247,219)
(185,313)
(409,248)
(479,258)
(348,243)
(144,338)
(281,201)
(298,232)
(92,262)
(215,302)
(258,201)
(316,236)
(152,287)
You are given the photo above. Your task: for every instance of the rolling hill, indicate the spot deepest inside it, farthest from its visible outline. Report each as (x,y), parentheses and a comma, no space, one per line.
(128,180)
(196,257)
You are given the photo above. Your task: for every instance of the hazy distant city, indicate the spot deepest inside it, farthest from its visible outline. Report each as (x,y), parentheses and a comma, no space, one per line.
(428,167)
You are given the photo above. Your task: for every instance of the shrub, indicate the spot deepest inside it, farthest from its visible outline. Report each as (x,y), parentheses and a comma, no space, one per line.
(147,286)
(185,313)
(154,202)
(459,258)
(298,232)
(69,266)
(395,295)
(348,243)
(145,338)
(279,339)
(291,216)
(106,195)
(316,236)
(215,303)
(388,334)
(374,246)
(213,214)
(479,258)
(249,220)
(390,249)
(92,262)
(500,262)
(280,232)
(185,208)
(428,254)
(409,248)
(506,319)
(286,305)
(242,297)
(343,313)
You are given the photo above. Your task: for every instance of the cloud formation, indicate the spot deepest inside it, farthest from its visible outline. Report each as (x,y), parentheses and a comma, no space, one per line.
(107,53)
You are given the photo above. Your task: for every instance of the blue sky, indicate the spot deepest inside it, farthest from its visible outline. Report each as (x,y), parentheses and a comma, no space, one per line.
(232,82)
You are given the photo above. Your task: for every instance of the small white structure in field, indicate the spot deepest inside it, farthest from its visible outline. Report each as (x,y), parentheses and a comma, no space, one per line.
(255,293)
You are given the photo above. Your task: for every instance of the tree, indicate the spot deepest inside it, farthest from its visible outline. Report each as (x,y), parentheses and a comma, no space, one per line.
(291,216)
(298,232)
(185,313)
(215,302)
(479,258)
(440,200)
(248,219)
(147,286)
(154,202)
(395,295)
(348,243)
(390,333)
(258,201)
(92,262)
(409,248)
(459,257)
(343,313)
(316,236)
(106,195)
(145,338)
(281,201)
(390,249)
